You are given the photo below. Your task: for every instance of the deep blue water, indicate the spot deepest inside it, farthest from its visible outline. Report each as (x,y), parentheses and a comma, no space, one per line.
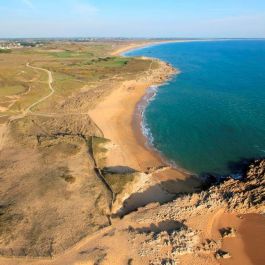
(212,115)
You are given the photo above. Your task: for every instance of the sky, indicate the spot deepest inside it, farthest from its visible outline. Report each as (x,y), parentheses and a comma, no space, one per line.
(133,18)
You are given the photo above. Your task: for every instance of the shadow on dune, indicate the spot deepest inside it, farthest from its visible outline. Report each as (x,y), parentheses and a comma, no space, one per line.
(119,170)
(167,191)
(161,193)
(167,225)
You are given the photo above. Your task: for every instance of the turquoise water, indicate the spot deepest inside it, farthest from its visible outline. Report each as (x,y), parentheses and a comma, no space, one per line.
(212,115)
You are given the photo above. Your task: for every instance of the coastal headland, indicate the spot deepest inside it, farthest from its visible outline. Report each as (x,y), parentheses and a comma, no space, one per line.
(98,193)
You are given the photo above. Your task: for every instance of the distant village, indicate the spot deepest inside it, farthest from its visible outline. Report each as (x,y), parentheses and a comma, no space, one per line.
(10,45)
(16,44)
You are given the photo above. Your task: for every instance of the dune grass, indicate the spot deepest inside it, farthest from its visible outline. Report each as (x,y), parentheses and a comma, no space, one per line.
(118,182)
(11,90)
(99,150)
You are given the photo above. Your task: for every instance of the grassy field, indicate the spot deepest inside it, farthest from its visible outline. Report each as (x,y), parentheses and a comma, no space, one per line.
(11,90)
(73,65)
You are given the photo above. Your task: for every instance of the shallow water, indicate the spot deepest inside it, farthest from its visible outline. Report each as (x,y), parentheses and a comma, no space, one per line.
(212,115)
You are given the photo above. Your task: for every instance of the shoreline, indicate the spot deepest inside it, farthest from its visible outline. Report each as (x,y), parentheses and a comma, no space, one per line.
(142,138)
(135,46)
(137,120)
(129,149)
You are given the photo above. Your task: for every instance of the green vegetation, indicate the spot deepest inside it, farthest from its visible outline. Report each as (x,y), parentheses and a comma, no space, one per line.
(72,54)
(11,90)
(76,67)
(29,44)
(118,182)
(99,151)
(37,91)
(111,61)
(5,50)
(64,84)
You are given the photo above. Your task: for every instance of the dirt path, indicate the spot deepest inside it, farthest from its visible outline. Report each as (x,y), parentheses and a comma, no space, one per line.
(4,127)
(50,81)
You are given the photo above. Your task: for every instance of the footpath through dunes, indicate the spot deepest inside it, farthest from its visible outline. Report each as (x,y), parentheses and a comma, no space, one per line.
(50,81)
(4,126)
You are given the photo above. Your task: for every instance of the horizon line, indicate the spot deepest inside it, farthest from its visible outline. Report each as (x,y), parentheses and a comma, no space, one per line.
(137,38)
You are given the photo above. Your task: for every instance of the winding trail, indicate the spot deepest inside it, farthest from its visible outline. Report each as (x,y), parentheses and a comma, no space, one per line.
(50,81)
(4,127)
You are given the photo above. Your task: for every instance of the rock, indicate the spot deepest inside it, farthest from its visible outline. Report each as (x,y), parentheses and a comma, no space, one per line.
(239,196)
(221,254)
(168,262)
(210,246)
(227,232)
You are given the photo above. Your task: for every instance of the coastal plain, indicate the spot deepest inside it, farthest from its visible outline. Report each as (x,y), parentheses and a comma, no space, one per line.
(79,185)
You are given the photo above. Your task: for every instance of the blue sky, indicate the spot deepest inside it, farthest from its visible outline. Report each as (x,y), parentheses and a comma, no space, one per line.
(132,18)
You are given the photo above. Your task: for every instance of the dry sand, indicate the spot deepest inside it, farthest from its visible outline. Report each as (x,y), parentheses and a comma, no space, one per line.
(133,46)
(247,246)
(117,116)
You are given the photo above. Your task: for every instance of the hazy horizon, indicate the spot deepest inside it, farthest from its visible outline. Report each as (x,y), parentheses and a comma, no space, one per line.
(132,19)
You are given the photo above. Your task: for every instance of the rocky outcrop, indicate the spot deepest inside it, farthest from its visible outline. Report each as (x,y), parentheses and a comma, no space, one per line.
(197,213)
(247,194)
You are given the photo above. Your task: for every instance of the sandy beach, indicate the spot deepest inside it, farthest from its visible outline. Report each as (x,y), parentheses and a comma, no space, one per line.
(119,118)
(137,45)
(246,247)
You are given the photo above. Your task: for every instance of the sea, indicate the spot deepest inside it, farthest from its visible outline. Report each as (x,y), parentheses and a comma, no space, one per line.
(210,118)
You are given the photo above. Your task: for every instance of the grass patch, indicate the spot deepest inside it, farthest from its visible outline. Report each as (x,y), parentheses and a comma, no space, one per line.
(72,54)
(111,61)
(38,90)
(119,181)
(5,50)
(60,146)
(64,85)
(12,90)
(99,150)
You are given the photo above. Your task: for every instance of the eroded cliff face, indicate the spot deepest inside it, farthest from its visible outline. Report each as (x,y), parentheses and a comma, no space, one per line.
(184,227)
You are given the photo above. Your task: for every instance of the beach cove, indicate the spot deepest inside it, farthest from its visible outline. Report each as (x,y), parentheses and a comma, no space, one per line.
(211,115)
